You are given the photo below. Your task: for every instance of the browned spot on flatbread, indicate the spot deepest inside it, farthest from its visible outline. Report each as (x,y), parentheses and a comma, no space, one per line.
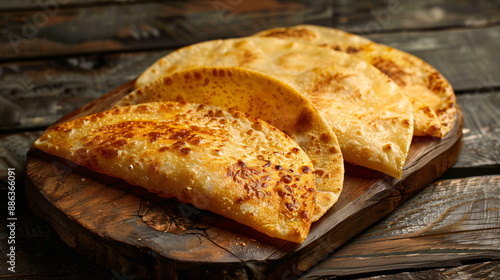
(292,33)
(435,82)
(325,138)
(333,47)
(304,121)
(253,179)
(197,75)
(107,152)
(391,69)
(168,81)
(324,81)
(246,56)
(352,50)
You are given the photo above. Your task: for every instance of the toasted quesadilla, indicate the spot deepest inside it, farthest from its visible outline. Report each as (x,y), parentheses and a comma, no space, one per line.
(368,112)
(263,97)
(226,162)
(431,94)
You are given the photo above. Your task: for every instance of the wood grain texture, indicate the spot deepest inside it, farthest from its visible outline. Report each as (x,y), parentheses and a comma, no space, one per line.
(48,30)
(449,223)
(37,93)
(481,143)
(198,238)
(13,148)
(364,17)
(483,270)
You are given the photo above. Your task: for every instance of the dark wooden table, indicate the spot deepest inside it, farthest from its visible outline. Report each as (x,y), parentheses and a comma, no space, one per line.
(58,55)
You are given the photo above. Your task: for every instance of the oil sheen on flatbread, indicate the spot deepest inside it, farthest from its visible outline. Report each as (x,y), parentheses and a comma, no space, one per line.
(368,112)
(432,96)
(263,97)
(224,161)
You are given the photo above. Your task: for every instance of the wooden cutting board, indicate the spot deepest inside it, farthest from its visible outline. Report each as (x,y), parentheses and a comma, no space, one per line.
(139,234)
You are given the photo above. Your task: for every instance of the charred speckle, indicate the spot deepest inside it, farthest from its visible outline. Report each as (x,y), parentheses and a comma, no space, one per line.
(178,135)
(304,121)
(178,144)
(391,69)
(185,151)
(257,126)
(206,82)
(325,138)
(82,152)
(287,179)
(62,128)
(108,153)
(153,136)
(291,33)
(319,172)
(278,167)
(163,149)
(119,143)
(291,206)
(352,50)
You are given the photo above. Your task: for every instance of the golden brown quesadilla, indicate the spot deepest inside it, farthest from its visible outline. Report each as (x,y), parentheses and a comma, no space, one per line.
(263,97)
(368,112)
(431,94)
(224,161)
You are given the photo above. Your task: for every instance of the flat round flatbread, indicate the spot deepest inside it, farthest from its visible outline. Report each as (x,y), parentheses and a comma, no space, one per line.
(431,94)
(368,112)
(263,97)
(224,161)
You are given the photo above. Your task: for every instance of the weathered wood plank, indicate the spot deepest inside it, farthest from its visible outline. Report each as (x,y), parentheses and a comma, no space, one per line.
(40,254)
(69,29)
(468,58)
(448,223)
(13,149)
(482,270)
(481,140)
(364,17)
(37,93)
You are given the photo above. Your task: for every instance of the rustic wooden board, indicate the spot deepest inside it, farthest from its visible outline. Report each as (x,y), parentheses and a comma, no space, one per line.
(364,17)
(156,237)
(449,223)
(484,270)
(37,93)
(49,28)
(41,28)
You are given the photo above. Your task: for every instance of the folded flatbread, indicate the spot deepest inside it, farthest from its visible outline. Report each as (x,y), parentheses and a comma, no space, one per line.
(431,94)
(224,161)
(263,97)
(368,112)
